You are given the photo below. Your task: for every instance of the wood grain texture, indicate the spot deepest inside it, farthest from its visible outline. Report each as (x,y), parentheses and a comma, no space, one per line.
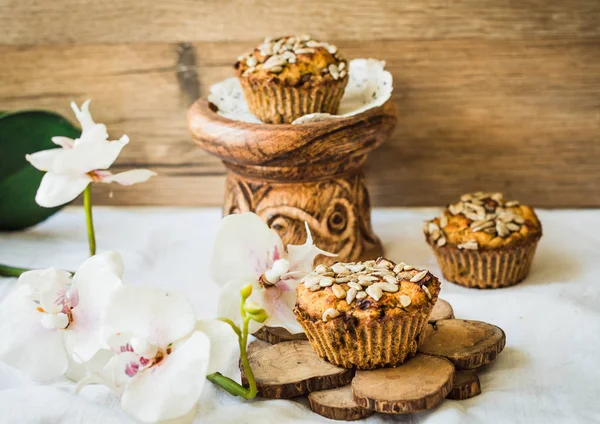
(126,21)
(297,175)
(467,344)
(519,116)
(466,385)
(421,383)
(291,369)
(337,404)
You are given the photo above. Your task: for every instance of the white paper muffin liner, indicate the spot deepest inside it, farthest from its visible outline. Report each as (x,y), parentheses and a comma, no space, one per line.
(369,86)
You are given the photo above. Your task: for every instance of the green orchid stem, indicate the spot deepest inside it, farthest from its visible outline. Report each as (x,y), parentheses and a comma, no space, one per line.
(11,271)
(87,205)
(227,383)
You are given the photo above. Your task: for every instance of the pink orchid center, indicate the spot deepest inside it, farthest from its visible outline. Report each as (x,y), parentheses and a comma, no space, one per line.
(59,315)
(148,355)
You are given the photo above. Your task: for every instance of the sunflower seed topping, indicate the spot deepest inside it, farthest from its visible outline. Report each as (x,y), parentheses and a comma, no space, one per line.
(387,287)
(338,268)
(281,52)
(419,276)
(488,212)
(361,295)
(326,281)
(321,269)
(375,292)
(427,292)
(338,291)
(330,313)
(405,300)
(356,286)
(351,294)
(469,245)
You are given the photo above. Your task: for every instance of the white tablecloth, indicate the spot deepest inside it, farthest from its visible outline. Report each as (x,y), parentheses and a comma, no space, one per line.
(549,371)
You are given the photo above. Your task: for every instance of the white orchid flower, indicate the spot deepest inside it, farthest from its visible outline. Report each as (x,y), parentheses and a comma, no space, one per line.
(160,361)
(50,316)
(72,167)
(248,251)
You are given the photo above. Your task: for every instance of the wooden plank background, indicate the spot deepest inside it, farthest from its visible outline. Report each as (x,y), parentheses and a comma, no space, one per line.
(492,95)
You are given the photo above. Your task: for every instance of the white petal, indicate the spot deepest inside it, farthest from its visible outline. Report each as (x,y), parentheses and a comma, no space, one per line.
(302,257)
(89,156)
(79,371)
(279,304)
(228,304)
(129,177)
(56,189)
(83,116)
(222,340)
(95,133)
(149,313)
(245,247)
(64,142)
(44,160)
(95,280)
(26,345)
(40,280)
(170,389)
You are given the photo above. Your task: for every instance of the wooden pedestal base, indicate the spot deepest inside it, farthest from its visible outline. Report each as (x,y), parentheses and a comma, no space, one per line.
(292,174)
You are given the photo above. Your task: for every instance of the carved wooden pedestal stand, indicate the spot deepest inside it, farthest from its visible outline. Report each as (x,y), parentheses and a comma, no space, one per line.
(291,174)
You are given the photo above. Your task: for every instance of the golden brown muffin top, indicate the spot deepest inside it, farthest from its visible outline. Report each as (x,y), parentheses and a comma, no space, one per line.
(364,290)
(483,221)
(292,61)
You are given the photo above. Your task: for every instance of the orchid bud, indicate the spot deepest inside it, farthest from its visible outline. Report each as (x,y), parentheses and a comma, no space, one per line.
(261,316)
(246,291)
(252,308)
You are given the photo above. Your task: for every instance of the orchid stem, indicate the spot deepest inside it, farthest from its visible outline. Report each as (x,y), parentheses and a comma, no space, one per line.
(87,205)
(227,383)
(11,271)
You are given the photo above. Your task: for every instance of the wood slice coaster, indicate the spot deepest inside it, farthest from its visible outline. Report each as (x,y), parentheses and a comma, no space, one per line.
(420,383)
(337,404)
(468,344)
(256,346)
(276,335)
(466,385)
(441,310)
(291,369)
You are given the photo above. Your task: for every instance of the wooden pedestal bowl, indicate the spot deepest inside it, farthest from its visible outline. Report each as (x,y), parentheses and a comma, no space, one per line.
(291,174)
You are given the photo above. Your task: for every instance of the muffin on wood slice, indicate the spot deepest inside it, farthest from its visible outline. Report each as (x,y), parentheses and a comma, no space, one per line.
(366,315)
(484,241)
(286,78)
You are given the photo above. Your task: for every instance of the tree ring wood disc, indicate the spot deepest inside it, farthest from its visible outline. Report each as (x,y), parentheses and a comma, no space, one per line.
(256,346)
(420,383)
(466,385)
(337,404)
(468,344)
(291,369)
(276,335)
(441,310)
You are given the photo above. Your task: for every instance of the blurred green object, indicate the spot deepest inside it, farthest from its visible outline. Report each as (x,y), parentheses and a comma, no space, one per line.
(22,133)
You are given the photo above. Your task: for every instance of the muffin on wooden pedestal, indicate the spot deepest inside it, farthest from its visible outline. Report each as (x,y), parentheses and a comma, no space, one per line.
(366,315)
(484,241)
(286,78)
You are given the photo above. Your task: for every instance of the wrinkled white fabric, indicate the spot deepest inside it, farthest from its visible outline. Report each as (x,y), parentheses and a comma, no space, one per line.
(548,372)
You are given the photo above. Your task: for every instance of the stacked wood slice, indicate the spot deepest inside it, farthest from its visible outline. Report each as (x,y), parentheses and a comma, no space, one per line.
(445,367)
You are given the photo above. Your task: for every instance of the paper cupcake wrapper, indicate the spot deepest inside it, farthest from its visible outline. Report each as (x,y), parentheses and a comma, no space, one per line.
(370,345)
(278,104)
(486,269)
